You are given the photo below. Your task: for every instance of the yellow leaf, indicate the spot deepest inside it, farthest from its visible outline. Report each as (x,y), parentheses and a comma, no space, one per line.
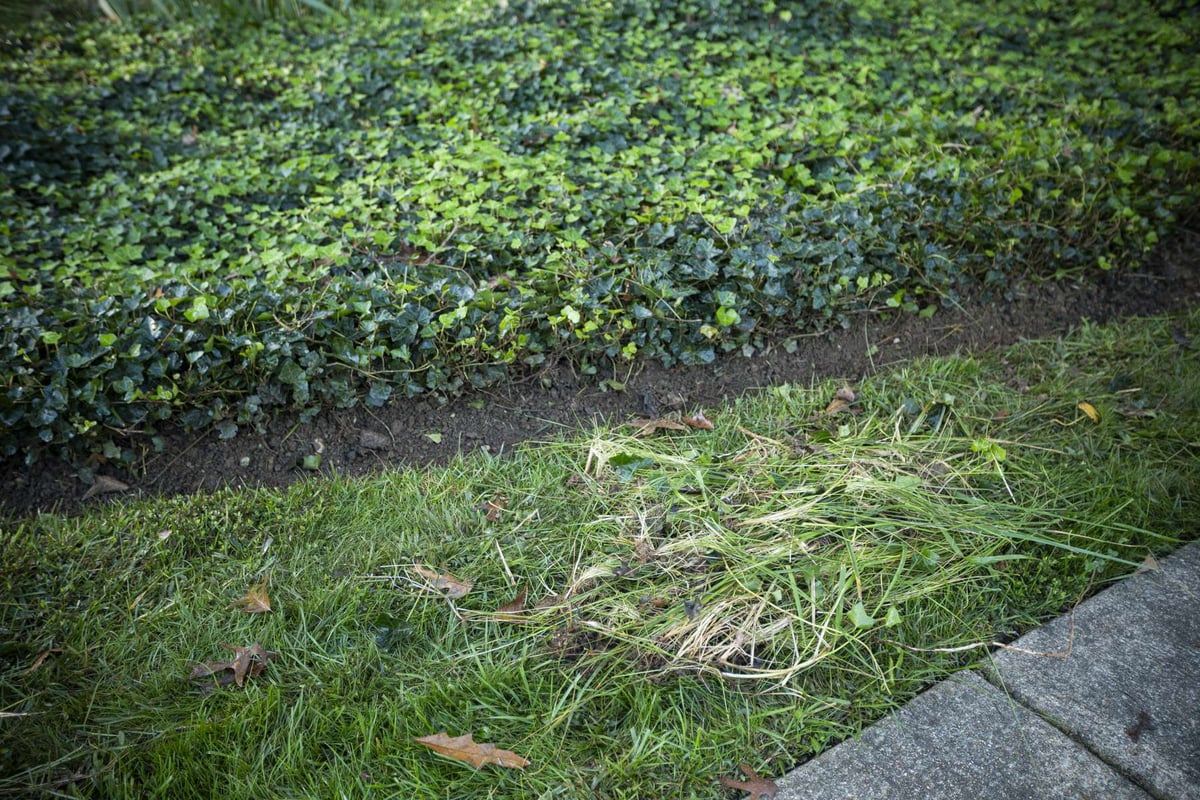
(1090,410)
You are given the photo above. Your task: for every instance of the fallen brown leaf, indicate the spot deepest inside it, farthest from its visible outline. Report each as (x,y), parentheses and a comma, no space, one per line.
(836,406)
(104,485)
(514,606)
(464,748)
(247,662)
(42,656)
(699,421)
(256,600)
(445,582)
(841,401)
(549,601)
(493,507)
(758,788)
(802,447)
(647,426)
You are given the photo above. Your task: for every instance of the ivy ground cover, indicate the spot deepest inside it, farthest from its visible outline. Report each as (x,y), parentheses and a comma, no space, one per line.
(200,225)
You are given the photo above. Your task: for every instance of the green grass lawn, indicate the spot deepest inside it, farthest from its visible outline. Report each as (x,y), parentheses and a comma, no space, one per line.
(691,599)
(204,224)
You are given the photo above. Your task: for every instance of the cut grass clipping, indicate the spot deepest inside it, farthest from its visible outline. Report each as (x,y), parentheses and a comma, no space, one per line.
(628,614)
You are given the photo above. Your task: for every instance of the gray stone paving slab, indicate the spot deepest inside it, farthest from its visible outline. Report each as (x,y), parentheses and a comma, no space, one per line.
(961,740)
(1130,688)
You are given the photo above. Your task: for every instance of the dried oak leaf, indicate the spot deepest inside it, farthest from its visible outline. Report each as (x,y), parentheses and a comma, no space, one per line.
(759,788)
(256,600)
(464,748)
(445,582)
(247,662)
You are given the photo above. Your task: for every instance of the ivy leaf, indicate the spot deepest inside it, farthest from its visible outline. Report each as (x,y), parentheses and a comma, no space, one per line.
(464,748)
(198,311)
(860,617)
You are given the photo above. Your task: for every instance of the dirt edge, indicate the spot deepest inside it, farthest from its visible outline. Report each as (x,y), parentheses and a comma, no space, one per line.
(359,441)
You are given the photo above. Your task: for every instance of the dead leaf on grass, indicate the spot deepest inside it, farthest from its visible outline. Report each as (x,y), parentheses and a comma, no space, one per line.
(514,606)
(803,447)
(648,426)
(445,582)
(841,401)
(42,656)
(759,788)
(464,748)
(698,421)
(256,600)
(248,662)
(549,601)
(104,485)
(1090,410)
(493,507)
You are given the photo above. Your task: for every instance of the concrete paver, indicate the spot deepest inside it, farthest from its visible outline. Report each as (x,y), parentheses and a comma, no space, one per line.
(962,739)
(1130,689)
